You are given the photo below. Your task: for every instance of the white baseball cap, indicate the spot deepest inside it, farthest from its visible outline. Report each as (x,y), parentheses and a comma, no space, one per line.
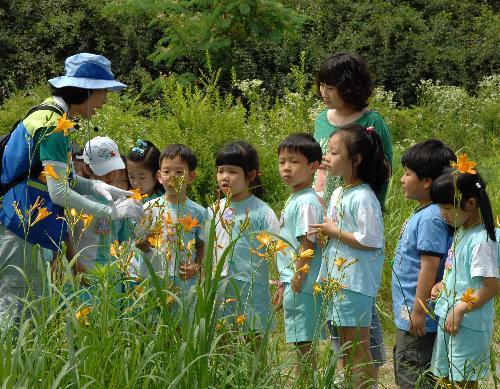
(102,155)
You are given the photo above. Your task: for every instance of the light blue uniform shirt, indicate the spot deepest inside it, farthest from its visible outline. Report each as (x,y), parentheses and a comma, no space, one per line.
(172,252)
(424,233)
(473,257)
(355,209)
(242,263)
(302,209)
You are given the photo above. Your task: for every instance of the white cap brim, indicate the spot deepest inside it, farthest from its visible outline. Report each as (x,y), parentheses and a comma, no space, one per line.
(105,167)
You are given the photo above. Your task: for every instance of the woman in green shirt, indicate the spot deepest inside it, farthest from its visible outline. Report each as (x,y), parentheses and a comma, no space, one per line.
(345,84)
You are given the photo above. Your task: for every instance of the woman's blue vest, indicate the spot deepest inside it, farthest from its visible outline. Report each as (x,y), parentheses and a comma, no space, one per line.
(21,154)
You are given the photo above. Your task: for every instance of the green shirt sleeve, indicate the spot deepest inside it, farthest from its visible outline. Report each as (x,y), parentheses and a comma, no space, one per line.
(55,147)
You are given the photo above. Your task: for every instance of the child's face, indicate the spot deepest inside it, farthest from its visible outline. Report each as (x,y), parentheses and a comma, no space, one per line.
(121,180)
(337,160)
(454,216)
(413,187)
(141,177)
(175,176)
(234,178)
(331,96)
(295,170)
(108,178)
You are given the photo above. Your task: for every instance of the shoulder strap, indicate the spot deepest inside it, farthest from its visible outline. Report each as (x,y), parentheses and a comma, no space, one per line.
(42,107)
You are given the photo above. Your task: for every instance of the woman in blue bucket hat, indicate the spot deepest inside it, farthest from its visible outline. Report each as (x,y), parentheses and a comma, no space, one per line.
(38,181)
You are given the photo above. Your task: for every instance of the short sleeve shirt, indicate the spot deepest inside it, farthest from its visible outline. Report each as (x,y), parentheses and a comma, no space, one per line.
(325,184)
(472,256)
(357,210)
(302,209)
(243,263)
(424,233)
(168,215)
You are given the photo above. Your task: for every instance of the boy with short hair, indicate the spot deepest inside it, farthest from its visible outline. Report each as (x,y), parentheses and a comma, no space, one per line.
(299,157)
(175,223)
(418,263)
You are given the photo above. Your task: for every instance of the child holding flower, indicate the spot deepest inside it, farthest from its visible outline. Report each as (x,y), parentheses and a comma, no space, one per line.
(464,299)
(174,244)
(354,255)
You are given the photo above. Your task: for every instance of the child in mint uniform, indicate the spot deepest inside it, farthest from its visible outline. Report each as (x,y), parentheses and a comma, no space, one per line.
(418,263)
(92,238)
(354,256)
(245,274)
(177,248)
(299,156)
(42,140)
(465,297)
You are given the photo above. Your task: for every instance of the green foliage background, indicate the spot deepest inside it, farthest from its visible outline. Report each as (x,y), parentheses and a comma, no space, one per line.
(453,41)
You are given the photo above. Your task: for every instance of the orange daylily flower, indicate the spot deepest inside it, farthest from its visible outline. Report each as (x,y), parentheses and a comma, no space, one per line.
(468,297)
(240,319)
(87,219)
(280,246)
(42,214)
(226,190)
(188,223)
(48,170)
(114,249)
(427,312)
(191,244)
(340,262)
(264,238)
(167,220)
(306,254)
(136,194)
(63,124)
(464,165)
(317,289)
(304,269)
(155,240)
(82,314)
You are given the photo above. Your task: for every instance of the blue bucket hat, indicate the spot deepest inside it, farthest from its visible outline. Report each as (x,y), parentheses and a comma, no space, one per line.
(87,71)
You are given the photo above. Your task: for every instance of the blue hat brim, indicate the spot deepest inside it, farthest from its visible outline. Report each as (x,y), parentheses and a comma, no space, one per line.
(86,83)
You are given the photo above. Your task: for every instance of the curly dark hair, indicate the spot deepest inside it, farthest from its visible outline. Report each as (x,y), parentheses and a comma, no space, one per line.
(349,73)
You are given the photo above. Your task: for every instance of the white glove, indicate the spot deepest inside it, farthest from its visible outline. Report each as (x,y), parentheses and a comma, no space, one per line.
(127,208)
(109,192)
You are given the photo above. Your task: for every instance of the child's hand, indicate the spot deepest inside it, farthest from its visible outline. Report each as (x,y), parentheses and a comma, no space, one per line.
(188,270)
(278,297)
(417,323)
(143,245)
(328,228)
(297,281)
(436,290)
(454,318)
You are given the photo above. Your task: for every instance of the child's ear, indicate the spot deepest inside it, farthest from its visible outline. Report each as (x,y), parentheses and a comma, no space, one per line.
(159,177)
(191,176)
(87,170)
(252,175)
(356,160)
(427,182)
(470,204)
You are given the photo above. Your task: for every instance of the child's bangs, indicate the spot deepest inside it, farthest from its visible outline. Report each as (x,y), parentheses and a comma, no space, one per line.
(231,155)
(443,190)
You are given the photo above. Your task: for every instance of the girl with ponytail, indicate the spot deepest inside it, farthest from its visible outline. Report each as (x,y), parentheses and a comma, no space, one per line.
(464,299)
(354,255)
